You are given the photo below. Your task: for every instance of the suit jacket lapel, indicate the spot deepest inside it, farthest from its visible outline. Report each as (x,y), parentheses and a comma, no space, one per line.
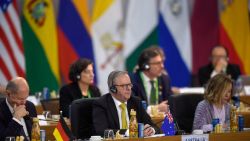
(6,112)
(141,86)
(114,114)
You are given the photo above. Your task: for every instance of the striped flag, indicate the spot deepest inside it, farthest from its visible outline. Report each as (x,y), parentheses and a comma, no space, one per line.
(41,46)
(12,62)
(62,131)
(74,34)
(235,31)
(140,29)
(175,39)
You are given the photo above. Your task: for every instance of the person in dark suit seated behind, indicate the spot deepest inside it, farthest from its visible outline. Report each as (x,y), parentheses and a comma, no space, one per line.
(15,112)
(219,64)
(150,81)
(81,74)
(112,110)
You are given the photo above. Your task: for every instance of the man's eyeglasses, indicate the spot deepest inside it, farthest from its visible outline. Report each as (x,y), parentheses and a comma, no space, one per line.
(156,63)
(125,86)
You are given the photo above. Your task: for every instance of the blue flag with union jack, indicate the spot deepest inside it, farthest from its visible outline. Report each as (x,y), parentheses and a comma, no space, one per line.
(168,125)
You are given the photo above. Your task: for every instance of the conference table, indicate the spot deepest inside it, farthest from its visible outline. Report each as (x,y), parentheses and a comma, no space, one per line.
(228,136)
(49,127)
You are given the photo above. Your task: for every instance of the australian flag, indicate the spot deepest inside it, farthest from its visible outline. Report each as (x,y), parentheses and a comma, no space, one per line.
(168,125)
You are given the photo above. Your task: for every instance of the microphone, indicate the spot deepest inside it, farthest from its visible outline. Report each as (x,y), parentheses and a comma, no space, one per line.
(178,130)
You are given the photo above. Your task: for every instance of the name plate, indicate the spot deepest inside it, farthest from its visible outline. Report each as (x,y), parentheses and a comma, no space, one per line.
(203,137)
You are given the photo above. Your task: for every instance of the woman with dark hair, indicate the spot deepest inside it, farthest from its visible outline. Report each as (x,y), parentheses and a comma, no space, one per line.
(81,74)
(215,104)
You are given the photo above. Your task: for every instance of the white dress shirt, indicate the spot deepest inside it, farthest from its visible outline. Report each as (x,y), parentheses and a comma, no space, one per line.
(21,121)
(119,111)
(147,85)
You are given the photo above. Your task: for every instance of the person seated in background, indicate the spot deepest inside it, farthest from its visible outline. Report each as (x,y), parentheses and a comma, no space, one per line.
(2,92)
(15,112)
(175,90)
(150,83)
(219,64)
(81,74)
(112,110)
(215,104)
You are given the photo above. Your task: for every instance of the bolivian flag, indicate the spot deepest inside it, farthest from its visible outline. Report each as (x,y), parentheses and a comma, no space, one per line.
(40,45)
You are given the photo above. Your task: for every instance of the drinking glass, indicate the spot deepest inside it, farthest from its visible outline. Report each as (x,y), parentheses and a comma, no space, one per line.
(10,139)
(108,134)
(47,114)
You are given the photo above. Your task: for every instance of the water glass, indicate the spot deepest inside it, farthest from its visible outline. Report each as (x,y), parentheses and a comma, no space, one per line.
(108,134)
(47,114)
(10,139)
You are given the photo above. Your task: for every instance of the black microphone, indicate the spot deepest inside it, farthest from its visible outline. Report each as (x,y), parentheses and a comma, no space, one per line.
(178,131)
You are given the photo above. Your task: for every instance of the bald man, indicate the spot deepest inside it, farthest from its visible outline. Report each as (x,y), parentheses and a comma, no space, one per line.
(15,111)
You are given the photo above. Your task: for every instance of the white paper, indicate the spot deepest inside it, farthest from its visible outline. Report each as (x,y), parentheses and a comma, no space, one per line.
(198,90)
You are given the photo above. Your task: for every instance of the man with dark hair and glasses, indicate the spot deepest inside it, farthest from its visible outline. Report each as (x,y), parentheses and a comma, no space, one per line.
(151,81)
(112,110)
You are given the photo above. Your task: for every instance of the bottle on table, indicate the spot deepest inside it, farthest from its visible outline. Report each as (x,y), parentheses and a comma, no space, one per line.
(35,132)
(133,125)
(233,119)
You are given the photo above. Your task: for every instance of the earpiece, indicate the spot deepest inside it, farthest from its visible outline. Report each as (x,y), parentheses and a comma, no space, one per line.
(146,66)
(113,89)
(78,77)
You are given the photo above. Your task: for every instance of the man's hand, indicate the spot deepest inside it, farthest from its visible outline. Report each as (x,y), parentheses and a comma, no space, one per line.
(148,130)
(163,106)
(220,65)
(20,111)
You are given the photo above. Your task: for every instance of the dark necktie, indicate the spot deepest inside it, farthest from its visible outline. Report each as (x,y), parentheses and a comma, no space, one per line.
(152,93)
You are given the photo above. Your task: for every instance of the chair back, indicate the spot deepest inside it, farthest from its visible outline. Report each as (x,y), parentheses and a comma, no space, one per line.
(183,107)
(81,118)
(51,105)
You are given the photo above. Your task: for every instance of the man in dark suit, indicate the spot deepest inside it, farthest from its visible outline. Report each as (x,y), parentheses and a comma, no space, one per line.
(151,82)
(108,112)
(218,64)
(15,112)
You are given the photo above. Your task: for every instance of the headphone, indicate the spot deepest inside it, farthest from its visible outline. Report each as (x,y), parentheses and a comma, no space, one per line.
(78,77)
(145,57)
(146,66)
(111,78)
(113,89)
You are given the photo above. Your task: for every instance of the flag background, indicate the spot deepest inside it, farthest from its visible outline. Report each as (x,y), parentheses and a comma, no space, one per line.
(114,33)
(12,60)
(40,45)
(74,34)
